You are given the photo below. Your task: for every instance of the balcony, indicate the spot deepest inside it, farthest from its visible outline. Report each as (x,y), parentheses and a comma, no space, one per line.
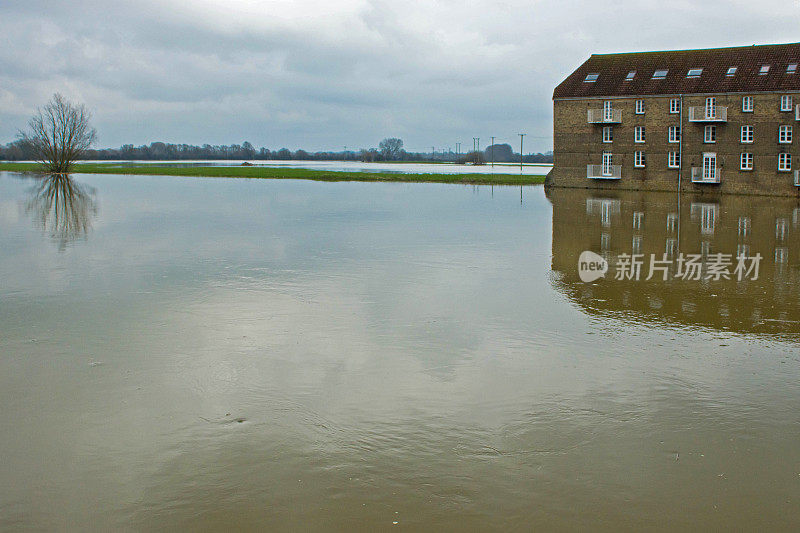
(713,176)
(595,172)
(601,116)
(703,113)
(797,178)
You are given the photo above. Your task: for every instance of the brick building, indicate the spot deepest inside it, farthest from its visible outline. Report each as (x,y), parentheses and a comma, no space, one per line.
(720,119)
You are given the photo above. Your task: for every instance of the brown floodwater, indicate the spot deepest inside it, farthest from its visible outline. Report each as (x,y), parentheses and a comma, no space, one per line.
(218,354)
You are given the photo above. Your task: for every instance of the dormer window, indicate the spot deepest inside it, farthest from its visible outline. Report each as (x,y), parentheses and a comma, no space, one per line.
(630,75)
(591,78)
(731,72)
(764,70)
(791,68)
(660,74)
(694,73)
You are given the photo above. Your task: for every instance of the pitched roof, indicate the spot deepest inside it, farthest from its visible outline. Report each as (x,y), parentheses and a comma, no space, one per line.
(715,62)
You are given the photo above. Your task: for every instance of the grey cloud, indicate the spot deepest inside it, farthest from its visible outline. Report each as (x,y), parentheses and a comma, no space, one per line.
(434,73)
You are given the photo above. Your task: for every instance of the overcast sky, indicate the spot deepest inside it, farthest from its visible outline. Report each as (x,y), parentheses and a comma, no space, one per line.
(328,74)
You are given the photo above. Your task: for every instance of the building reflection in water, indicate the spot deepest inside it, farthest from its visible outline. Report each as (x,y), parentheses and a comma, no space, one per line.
(63,208)
(667,225)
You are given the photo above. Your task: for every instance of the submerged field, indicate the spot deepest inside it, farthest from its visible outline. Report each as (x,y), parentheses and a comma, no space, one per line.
(286,173)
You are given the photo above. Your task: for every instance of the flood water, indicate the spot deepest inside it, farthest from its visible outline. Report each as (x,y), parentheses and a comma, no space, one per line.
(211,354)
(532,169)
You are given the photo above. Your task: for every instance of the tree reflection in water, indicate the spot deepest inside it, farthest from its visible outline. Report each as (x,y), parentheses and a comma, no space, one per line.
(63,208)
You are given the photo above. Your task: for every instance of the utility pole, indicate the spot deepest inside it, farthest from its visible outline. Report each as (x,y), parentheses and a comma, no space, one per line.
(491,149)
(521,136)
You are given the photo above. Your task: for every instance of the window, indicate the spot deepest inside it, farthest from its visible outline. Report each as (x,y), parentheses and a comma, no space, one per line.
(791,68)
(630,75)
(674,160)
(638,159)
(660,74)
(638,134)
(785,134)
(710,135)
(607,167)
(764,70)
(786,102)
(731,72)
(747,134)
(694,73)
(675,105)
(608,111)
(784,162)
(591,78)
(608,134)
(674,134)
(747,104)
(746,162)
(640,107)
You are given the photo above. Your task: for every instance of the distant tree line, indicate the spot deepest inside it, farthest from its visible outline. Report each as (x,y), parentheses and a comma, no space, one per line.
(390,149)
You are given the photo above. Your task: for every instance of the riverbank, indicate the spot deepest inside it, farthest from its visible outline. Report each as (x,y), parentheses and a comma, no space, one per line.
(256,172)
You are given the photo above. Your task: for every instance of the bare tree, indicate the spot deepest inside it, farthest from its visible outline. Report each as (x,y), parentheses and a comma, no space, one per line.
(60,134)
(391,148)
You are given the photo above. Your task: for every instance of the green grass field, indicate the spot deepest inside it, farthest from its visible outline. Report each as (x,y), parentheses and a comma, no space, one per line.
(284,173)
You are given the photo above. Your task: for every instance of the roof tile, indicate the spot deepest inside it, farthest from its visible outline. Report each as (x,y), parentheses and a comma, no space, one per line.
(613,68)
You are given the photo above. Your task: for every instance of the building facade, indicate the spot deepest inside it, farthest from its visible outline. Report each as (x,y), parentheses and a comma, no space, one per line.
(715,120)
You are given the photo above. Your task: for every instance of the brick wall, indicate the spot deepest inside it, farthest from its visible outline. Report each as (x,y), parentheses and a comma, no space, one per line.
(578,143)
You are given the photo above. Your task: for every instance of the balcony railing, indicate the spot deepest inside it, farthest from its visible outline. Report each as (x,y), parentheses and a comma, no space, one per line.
(597,172)
(601,116)
(709,176)
(797,178)
(703,113)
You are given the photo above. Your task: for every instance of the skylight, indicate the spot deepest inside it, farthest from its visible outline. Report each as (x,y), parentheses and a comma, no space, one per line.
(591,78)
(764,70)
(630,75)
(694,73)
(792,68)
(731,71)
(660,74)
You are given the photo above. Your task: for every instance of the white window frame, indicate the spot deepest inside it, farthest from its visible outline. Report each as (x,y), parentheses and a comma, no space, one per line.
(674,134)
(731,71)
(791,68)
(638,134)
(639,159)
(660,74)
(786,102)
(785,134)
(674,160)
(747,104)
(746,136)
(711,107)
(607,165)
(640,107)
(784,162)
(675,106)
(608,134)
(608,110)
(764,70)
(746,161)
(709,166)
(710,134)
